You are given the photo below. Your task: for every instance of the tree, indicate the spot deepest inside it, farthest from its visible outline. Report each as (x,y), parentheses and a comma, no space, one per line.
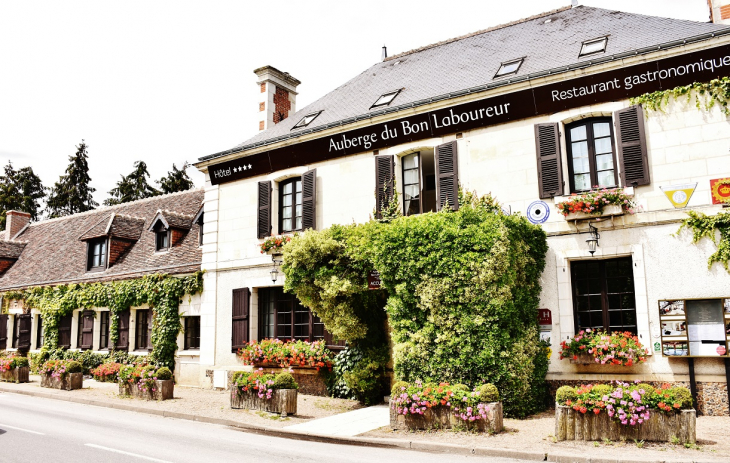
(176,180)
(132,187)
(20,190)
(72,193)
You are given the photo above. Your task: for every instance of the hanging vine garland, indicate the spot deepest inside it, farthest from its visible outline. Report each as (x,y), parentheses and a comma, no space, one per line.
(706,94)
(163,293)
(704,226)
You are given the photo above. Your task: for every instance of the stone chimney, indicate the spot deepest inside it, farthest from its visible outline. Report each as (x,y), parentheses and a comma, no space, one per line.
(14,222)
(719,11)
(278,95)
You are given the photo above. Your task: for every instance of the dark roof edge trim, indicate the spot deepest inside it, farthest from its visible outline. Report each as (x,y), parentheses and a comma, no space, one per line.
(481,88)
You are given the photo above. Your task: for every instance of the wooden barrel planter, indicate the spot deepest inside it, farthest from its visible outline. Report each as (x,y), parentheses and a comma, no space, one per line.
(282,401)
(163,390)
(442,417)
(660,427)
(68,382)
(16,375)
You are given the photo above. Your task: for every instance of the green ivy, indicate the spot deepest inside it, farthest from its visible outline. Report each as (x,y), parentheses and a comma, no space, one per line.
(707,95)
(163,293)
(704,226)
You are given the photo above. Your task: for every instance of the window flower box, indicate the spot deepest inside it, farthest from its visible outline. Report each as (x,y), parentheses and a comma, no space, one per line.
(67,382)
(266,392)
(158,390)
(612,210)
(16,375)
(597,203)
(601,348)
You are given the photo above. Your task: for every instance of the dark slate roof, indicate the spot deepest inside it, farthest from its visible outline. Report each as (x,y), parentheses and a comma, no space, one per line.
(471,61)
(11,249)
(54,254)
(118,226)
(172,219)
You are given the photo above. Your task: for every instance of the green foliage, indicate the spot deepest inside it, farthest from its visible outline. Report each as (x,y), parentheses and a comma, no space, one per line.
(704,226)
(163,293)
(72,192)
(398,387)
(88,359)
(645,386)
(284,381)
(176,180)
(706,95)
(682,396)
(366,378)
(565,393)
(74,367)
(605,389)
(132,187)
(20,190)
(163,374)
(488,392)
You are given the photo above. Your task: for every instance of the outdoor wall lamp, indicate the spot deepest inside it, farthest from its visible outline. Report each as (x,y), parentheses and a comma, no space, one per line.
(274,271)
(593,240)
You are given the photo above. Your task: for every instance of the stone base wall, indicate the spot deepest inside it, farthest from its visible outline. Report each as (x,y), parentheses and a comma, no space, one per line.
(711,397)
(661,427)
(163,390)
(283,401)
(16,375)
(69,382)
(442,417)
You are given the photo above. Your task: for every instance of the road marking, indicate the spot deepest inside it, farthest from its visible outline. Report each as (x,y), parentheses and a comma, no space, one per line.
(21,429)
(126,453)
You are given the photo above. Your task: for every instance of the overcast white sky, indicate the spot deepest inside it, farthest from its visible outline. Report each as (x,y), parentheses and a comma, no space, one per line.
(170,81)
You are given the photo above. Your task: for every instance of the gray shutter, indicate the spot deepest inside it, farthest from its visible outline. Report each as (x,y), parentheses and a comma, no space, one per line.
(264,212)
(3,331)
(631,143)
(309,199)
(447,176)
(239,332)
(24,332)
(549,165)
(384,181)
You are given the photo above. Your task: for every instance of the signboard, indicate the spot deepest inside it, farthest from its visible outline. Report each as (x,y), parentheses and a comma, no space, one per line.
(720,188)
(695,327)
(545,317)
(679,195)
(615,85)
(374,279)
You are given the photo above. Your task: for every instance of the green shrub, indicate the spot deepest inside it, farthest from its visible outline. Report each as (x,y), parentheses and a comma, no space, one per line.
(488,392)
(163,373)
(74,367)
(683,396)
(602,389)
(565,393)
(284,381)
(648,388)
(19,362)
(397,388)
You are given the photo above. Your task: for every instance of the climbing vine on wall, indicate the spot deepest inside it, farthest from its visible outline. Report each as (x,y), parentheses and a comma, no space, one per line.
(163,293)
(704,226)
(706,96)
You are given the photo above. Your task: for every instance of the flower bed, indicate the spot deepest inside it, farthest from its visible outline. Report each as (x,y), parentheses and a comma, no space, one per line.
(624,411)
(107,372)
(259,391)
(443,406)
(601,348)
(66,375)
(14,369)
(269,352)
(146,382)
(596,203)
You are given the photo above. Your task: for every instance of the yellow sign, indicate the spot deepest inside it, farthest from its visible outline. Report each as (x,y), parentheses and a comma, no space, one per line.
(679,195)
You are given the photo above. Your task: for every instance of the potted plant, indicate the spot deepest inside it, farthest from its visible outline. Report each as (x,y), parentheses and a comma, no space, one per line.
(146,382)
(259,391)
(273,244)
(625,411)
(596,203)
(594,347)
(66,375)
(14,369)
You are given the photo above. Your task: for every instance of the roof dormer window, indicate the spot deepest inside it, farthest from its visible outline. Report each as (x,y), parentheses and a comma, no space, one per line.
(306,120)
(509,67)
(593,46)
(162,238)
(96,254)
(385,99)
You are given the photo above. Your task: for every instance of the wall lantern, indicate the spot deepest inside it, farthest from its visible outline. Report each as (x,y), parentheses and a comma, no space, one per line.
(593,240)
(275,271)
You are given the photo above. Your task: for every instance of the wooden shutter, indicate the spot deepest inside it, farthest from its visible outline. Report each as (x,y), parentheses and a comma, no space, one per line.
(150,324)
(123,326)
(239,333)
(384,181)
(3,332)
(447,176)
(64,331)
(24,322)
(87,330)
(631,143)
(39,333)
(549,163)
(264,213)
(309,199)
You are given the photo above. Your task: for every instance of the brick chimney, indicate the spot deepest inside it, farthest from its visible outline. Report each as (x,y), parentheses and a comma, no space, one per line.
(278,95)
(719,11)
(14,222)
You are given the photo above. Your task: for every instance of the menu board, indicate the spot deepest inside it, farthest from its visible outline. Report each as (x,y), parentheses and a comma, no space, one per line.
(695,327)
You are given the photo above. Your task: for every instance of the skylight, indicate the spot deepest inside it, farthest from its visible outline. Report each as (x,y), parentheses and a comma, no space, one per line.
(509,67)
(385,99)
(306,120)
(594,46)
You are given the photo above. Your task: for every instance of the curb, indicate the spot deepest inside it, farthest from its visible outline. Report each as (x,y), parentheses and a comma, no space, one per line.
(431,447)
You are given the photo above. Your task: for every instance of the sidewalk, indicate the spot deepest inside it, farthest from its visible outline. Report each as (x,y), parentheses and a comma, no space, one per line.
(344,421)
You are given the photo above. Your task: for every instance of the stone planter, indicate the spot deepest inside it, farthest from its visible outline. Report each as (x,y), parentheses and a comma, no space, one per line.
(608,211)
(69,382)
(310,381)
(442,417)
(16,375)
(282,401)
(163,390)
(587,359)
(660,427)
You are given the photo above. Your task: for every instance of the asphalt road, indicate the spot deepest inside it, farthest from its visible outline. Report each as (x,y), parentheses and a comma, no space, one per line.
(34,429)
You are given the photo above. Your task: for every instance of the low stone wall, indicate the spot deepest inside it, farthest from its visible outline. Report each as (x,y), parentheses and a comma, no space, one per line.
(16,375)
(69,382)
(163,390)
(660,427)
(310,381)
(442,417)
(283,401)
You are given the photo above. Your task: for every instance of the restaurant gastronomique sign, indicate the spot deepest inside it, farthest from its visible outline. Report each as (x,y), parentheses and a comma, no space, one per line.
(618,84)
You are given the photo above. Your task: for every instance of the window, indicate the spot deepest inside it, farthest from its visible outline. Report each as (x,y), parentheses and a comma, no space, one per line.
(162,238)
(385,99)
(509,67)
(64,331)
(192,333)
(306,120)
(39,333)
(143,330)
(103,330)
(591,159)
(97,254)
(593,46)
(290,205)
(603,295)
(85,333)
(419,184)
(281,316)
(200,221)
